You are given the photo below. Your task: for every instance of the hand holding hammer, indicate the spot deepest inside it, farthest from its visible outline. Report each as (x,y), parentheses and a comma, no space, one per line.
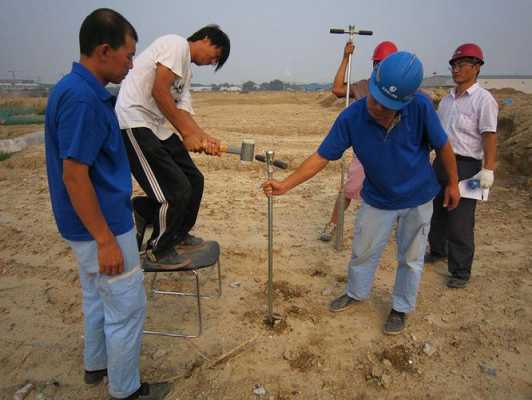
(202,143)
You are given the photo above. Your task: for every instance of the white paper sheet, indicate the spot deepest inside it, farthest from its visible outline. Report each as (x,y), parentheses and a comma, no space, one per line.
(472,190)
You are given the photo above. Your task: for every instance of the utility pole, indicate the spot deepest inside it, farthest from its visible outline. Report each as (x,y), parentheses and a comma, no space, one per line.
(13,77)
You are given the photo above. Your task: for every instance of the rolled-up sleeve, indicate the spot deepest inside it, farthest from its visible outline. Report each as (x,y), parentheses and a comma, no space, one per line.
(185,101)
(488,112)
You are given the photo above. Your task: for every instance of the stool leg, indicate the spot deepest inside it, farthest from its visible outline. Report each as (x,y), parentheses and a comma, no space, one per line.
(219,279)
(198,300)
(152,285)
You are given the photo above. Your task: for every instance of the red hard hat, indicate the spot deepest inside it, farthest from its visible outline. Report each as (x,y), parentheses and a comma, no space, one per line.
(383,50)
(468,50)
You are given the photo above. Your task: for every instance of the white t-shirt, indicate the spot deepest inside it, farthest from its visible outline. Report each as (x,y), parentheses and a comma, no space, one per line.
(135,106)
(467,117)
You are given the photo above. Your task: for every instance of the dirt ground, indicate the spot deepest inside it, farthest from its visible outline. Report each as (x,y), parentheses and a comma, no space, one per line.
(474,343)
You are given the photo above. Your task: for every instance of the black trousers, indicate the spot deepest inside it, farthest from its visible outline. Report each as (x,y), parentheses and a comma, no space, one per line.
(452,232)
(170,179)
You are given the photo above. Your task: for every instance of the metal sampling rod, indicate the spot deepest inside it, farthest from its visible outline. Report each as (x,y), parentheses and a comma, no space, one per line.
(341,195)
(269,165)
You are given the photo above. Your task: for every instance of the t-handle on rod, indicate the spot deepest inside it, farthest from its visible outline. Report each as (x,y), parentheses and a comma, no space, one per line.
(351,31)
(276,163)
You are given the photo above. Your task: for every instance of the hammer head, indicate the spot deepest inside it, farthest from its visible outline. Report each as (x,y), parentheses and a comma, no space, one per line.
(247,151)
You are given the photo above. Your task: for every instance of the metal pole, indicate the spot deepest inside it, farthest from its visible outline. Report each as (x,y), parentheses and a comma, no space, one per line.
(340,202)
(269,166)
(341,194)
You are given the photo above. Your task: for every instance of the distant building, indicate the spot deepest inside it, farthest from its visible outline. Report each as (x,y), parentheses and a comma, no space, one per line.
(26,87)
(19,84)
(522,83)
(230,89)
(201,88)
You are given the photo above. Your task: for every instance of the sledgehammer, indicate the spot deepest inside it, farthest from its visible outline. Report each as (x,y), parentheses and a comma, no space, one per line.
(246,150)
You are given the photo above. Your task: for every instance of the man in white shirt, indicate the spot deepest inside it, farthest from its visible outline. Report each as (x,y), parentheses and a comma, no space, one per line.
(469,116)
(157,90)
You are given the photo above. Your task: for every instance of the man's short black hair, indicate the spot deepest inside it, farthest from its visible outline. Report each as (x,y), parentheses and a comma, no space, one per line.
(218,38)
(104,26)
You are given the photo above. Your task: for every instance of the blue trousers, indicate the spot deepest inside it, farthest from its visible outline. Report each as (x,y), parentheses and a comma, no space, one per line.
(373,228)
(114,308)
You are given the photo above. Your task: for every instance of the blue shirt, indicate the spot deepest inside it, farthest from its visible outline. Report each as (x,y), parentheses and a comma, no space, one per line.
(81,125)
(396,163)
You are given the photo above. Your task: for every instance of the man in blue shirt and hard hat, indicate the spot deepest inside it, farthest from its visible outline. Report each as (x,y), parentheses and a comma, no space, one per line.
(390,132)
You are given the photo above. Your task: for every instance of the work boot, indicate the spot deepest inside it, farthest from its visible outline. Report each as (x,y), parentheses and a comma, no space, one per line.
(94,377)
(327,232)
(168,259)
(341,303)
(456,283)
(395,323)
(150,391)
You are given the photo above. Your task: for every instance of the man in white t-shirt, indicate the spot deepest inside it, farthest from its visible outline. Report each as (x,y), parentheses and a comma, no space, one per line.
(157,90)
(469,116)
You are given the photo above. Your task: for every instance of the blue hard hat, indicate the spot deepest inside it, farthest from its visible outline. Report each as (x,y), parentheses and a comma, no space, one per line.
(396,79)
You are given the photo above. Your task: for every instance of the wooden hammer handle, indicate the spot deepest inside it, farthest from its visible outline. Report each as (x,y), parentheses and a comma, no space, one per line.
(230,148)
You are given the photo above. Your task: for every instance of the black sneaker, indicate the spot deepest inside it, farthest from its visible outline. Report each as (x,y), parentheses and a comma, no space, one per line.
(395,323)
(150,391)
(341,303)
(190,243)
(168,259)
(94,377)
(456,283)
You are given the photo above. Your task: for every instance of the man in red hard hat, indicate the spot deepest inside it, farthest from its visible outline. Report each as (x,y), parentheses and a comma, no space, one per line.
(358,90)
(469,115)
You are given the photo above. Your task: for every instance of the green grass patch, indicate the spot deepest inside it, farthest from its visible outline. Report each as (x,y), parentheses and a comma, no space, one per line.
(4,156)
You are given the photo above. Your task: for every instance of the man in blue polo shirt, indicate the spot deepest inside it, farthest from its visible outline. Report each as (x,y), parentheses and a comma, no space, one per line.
(90,188)
(390,132)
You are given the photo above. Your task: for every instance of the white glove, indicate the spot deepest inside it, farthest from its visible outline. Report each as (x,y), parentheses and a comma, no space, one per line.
(486,178)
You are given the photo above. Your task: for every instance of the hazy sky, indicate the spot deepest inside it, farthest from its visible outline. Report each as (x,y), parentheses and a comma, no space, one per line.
(287,40)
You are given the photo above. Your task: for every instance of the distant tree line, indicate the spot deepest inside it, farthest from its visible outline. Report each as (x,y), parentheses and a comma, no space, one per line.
(274,85)
(277,85)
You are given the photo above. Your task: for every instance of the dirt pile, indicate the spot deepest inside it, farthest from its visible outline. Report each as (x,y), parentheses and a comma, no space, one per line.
(515,131)
(329,100)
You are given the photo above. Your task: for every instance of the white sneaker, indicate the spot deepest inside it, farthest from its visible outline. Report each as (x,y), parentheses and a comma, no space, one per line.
(327,232)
